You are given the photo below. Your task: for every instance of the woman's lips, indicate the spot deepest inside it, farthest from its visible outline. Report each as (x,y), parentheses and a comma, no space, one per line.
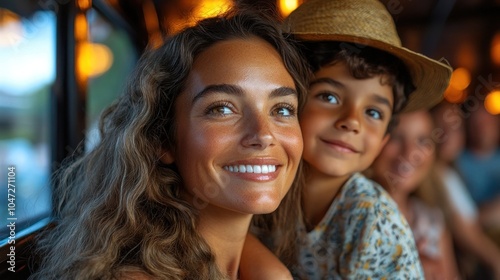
(261,169)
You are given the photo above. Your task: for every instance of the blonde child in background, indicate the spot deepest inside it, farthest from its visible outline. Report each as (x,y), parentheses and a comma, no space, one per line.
(405,168)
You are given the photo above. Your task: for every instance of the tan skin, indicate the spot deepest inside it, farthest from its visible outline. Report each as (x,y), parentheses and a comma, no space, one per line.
(406,160)
(259,263)
(239,108)
(343,124)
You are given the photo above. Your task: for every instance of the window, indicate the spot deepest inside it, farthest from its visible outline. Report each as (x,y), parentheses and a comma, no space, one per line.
(27,76)
(27,72)
(112,58)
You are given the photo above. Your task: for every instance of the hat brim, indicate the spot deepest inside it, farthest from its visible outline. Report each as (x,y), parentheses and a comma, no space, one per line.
(430,77)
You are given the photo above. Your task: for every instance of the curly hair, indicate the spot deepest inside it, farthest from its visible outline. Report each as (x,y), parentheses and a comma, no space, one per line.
(118,209)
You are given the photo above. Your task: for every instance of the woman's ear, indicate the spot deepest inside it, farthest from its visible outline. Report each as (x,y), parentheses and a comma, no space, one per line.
(166,157)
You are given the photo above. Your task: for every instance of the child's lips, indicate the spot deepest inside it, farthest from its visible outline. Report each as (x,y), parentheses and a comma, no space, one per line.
(341,146)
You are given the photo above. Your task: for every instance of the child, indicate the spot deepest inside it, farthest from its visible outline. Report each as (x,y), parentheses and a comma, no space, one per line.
(405,168)
(349,227)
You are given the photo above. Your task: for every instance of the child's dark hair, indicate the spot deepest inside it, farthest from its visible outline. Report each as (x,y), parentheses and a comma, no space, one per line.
(364,62)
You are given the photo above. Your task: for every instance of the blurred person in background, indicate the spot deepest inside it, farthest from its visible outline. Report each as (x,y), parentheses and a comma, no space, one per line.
(460,209)
(479,164)
(402,167)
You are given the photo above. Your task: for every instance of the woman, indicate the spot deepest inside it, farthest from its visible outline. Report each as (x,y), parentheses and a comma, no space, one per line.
(402,167)
(205,136)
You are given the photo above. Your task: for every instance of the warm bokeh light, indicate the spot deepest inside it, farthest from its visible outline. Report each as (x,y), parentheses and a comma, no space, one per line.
(466,55)
(93,59)
(287,6)
(11,29)
(210,8)
(84,4)
(492,102)
(495,49)
(152,24)
(460,79)
(198,10)
(81,27)
(453,95)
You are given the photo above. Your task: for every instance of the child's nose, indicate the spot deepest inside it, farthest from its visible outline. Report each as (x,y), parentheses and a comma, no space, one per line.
(348,121)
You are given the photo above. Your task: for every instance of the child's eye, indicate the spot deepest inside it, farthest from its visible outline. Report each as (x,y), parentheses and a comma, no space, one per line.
(374,114)
(284,110)
(328,97)
(219,109)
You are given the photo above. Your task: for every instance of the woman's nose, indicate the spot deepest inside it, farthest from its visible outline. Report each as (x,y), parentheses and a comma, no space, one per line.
(258,133)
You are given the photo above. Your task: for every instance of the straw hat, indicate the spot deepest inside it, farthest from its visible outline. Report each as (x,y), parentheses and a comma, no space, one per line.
(367,22)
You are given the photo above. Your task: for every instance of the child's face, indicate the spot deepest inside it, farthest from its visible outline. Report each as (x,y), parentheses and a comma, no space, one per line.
(408,156)
(344,121)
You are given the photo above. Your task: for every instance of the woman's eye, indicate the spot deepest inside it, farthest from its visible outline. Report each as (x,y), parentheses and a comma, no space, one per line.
(374,114)
(219,110)
(285,110)
(328,97)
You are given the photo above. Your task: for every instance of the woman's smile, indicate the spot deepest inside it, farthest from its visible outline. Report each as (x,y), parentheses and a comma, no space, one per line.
(238,128)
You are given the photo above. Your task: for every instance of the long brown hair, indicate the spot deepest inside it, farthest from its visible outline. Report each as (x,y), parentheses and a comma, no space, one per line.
(118,208)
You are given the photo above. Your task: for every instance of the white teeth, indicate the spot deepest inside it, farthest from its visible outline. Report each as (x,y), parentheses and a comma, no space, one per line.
(258,169)
(242,168)
(265,169)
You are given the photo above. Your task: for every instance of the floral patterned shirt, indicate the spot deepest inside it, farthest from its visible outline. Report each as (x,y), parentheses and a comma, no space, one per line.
(362,236)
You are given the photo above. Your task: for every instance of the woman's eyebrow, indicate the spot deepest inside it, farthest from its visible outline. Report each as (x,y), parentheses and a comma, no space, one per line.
(236,90)
(220,88)
(283,91)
